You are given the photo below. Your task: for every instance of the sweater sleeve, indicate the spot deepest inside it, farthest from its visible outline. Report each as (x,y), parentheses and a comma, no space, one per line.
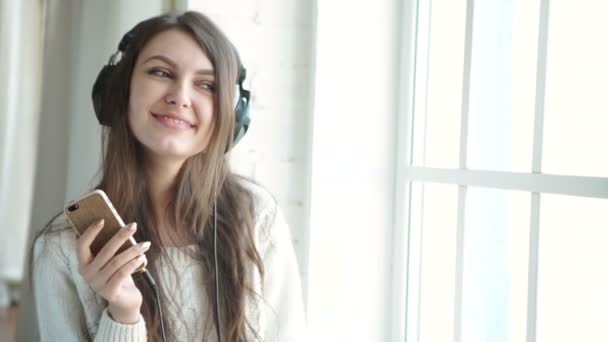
(110,330)
(282,287)
(60,311)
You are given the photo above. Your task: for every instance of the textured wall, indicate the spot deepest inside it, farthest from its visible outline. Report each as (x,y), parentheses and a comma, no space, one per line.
(275,40)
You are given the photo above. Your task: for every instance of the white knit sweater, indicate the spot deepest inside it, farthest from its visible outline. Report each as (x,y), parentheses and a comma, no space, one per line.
(69,310)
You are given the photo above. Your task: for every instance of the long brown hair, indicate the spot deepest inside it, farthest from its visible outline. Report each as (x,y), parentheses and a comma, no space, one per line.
(204,181)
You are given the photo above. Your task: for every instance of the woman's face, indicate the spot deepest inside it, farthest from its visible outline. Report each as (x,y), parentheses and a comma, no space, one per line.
(172,95)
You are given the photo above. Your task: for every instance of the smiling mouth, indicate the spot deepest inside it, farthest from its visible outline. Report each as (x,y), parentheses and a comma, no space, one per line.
(172,122)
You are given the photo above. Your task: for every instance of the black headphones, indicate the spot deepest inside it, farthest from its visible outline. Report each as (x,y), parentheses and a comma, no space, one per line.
(242,118)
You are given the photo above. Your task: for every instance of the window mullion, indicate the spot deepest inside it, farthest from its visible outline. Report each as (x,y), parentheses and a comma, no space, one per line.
(403,188)
(464,127)
(541,76)
(541,73)
(533,267)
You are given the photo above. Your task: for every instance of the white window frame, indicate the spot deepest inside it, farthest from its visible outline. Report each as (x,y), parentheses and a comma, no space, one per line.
(406,252)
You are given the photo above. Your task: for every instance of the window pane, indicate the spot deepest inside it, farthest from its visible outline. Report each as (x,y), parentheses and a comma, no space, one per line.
(439,83)
(438,248)
(576,109)
(573,276)
(495,265)
(503,76)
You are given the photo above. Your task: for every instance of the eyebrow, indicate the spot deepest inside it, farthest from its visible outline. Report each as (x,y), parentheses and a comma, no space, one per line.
(174,65)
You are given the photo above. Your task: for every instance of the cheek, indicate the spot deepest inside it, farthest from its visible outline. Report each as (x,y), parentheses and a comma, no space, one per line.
(141,97)
(145,92)
(134,115)
(141,93)
(204,111)
(134,97)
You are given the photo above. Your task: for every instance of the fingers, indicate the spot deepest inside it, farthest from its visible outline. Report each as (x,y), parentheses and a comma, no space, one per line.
(123,258)
(83,244)
(111,247)
(125,272)
(108,274)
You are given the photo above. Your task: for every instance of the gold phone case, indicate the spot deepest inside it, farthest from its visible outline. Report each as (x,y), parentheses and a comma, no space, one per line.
(91,208)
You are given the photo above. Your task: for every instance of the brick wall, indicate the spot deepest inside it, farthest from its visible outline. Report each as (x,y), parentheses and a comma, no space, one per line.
(275,40)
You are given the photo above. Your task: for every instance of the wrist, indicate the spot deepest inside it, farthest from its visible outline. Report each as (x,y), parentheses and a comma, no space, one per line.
(123,316)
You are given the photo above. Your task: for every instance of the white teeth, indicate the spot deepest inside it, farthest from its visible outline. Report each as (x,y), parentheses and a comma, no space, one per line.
(177,121)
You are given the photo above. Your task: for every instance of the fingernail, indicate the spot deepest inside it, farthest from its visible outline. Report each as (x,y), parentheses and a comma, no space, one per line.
(145,245)
(132,226)
(100,223)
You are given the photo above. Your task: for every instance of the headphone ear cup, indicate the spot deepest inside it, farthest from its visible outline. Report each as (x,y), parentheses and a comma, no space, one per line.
(242,120)
(99,88)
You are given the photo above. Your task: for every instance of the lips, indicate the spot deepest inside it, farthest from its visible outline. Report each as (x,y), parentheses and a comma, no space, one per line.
(174,121)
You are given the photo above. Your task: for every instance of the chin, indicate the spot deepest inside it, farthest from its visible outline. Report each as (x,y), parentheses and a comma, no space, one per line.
(172,152)
(175,155)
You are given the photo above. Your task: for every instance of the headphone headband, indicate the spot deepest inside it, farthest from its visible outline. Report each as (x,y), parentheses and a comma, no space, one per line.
(126,39)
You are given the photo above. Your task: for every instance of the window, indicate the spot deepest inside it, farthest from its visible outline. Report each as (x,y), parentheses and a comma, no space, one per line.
(505,175)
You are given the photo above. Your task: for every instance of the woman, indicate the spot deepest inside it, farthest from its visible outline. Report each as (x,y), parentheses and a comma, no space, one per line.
(169,106)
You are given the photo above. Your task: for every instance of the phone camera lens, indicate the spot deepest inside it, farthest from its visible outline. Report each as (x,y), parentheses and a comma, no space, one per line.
(73,207)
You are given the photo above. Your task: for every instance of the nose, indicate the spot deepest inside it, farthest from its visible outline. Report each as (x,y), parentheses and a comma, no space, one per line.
(178,96)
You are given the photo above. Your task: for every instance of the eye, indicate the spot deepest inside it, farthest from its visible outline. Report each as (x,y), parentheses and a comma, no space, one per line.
(159,73)
(206,85)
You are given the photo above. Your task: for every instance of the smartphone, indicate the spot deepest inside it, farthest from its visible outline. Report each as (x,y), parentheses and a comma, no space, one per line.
(91,208)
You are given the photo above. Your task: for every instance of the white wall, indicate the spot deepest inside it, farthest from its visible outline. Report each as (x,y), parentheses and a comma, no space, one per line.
(275,39)
(322,140)
(353,170)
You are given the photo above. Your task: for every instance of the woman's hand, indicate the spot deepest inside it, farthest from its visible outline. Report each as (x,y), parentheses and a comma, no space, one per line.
(109,275)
